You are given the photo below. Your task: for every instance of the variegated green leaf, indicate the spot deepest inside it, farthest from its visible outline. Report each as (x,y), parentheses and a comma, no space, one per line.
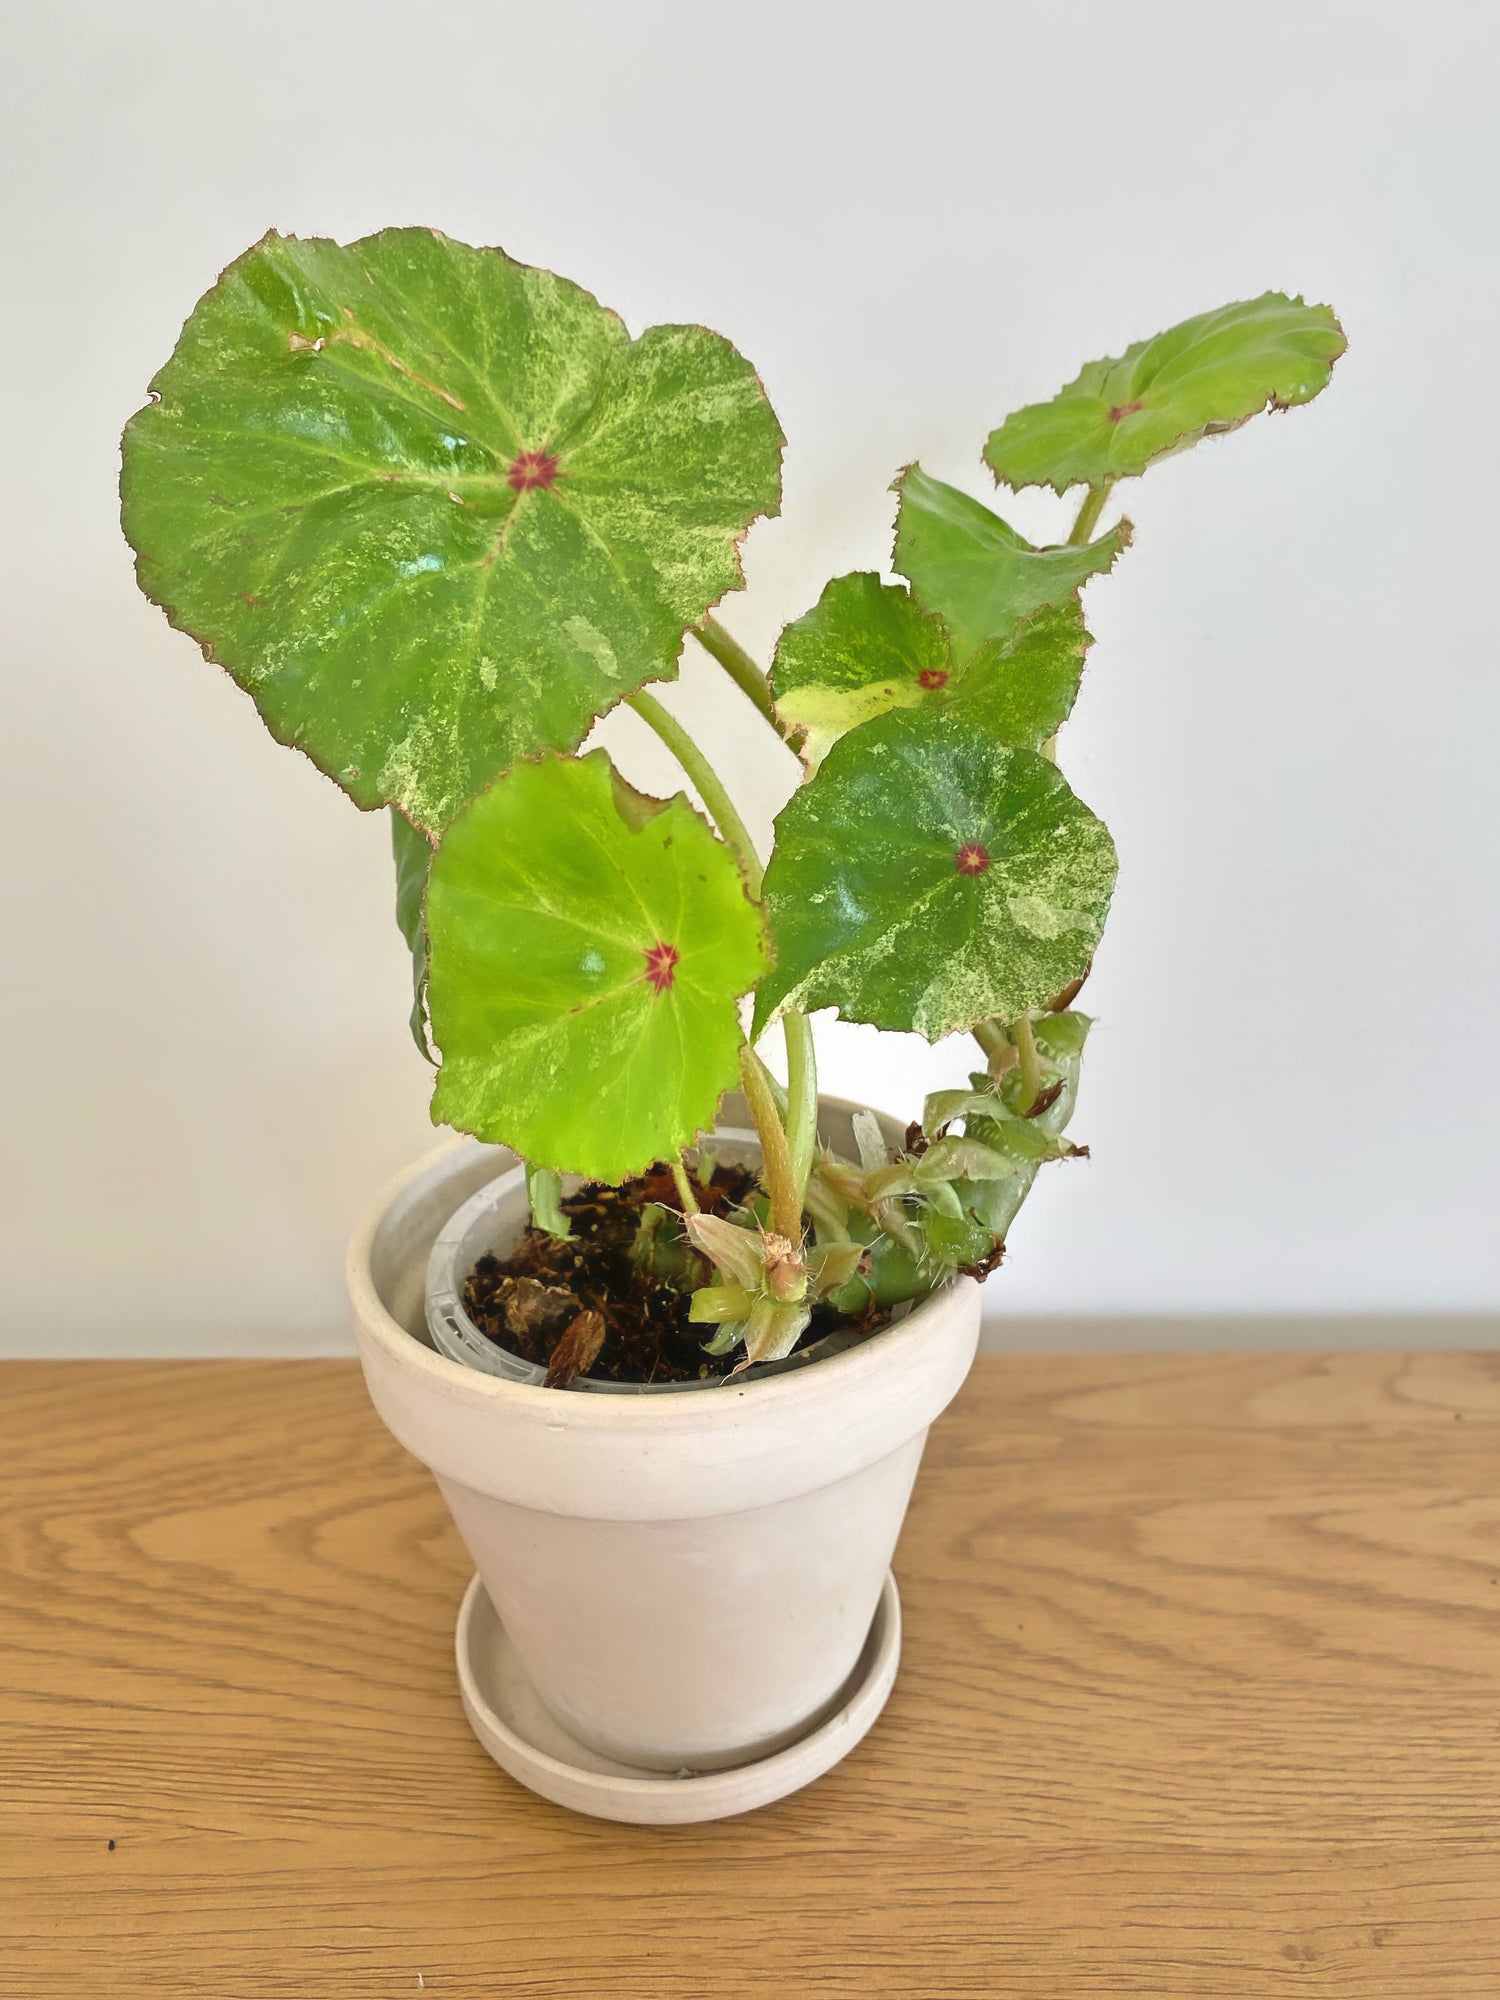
(588,948)
(864,647)
(412,852)
(1021,688)
(435,510)
(928,878)
(867,647)
(1208,374)
(975,571)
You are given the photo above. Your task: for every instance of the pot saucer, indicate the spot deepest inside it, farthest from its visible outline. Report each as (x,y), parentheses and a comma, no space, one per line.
(507,1716)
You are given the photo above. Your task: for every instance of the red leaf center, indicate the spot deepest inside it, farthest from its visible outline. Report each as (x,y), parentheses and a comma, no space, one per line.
(971,858)
(533,469)
(933,677)
(661,966)
(1124,410)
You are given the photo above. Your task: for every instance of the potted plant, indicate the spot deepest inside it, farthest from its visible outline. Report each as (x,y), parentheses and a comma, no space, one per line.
(669,1333)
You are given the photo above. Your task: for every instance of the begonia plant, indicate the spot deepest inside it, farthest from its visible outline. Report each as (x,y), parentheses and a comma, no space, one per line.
(437,512)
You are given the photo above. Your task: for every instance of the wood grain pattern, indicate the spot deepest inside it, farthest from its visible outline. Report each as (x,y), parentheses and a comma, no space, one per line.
(1201,1698)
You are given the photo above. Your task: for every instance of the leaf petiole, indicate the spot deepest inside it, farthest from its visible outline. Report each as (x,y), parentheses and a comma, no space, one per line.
(720,806)
(684,1186)
(739,666)
(1088,514)
(800,1111)
(1024,1041)
(800,1130)
(991,1037)
(776,1155)
(802,1098)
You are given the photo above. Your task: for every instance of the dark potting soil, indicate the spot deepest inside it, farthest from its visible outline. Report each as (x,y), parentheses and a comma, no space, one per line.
(582,1305)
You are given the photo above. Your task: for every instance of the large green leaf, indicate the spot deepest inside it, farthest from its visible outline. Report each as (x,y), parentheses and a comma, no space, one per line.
(588,946)
(868,647)
(967,564)
(1211,373)
(434,509)
(412,852)
(929,878)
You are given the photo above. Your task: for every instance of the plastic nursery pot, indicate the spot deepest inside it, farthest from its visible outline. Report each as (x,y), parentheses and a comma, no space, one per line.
(493,1220)
(688,1582)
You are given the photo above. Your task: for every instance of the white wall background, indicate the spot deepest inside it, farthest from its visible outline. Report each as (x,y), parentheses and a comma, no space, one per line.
(912,219)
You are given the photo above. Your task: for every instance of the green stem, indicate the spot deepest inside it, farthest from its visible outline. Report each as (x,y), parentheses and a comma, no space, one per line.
(991,1037)
(802,1099)
(1031,1062)
(775,1153)
(739,666)
(1088,514)
(684,1186)
(710,790)
(779,1095)
(787,1149)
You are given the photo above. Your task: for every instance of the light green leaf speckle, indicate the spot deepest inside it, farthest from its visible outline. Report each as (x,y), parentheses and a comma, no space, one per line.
(588,947)
(435,509)
(867,647)
(863,648)
(929,878)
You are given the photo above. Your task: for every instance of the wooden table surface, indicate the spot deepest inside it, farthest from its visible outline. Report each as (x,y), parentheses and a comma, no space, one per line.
(1201,1697)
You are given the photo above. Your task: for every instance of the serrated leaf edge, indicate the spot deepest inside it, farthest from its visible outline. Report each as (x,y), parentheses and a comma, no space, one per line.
(287,742)
(1185,439)
(680,796)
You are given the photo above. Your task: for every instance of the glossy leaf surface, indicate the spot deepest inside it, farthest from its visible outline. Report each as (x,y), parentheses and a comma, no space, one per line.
(434,509)
(973,569)
(1208,374)
(928,878)
(588,946)
(867,647)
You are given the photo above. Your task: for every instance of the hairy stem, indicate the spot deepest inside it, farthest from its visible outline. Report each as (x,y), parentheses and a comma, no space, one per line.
(739,666)
(779,1097)
(1031,1062)
(802,1099)
(776,1154)
(684,1186)
(1088,514)
(710,789)
(991,1037)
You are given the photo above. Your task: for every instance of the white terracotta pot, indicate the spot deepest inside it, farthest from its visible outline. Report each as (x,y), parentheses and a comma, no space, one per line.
(688,1580)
